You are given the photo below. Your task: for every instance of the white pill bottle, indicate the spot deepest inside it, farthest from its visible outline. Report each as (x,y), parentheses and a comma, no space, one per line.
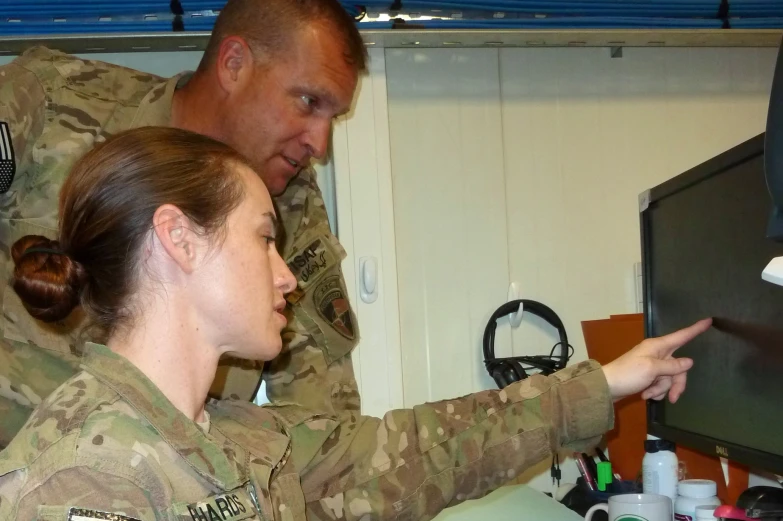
(694,493)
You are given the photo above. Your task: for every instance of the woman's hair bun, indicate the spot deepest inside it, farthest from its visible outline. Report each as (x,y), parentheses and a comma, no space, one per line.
(48,281)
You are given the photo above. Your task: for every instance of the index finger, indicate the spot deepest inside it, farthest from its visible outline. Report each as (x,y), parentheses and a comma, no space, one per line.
(668,344)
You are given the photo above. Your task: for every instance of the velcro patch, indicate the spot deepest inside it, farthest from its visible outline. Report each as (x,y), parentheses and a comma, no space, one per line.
(7,159)
(83,514)
(312,262)
(333,306)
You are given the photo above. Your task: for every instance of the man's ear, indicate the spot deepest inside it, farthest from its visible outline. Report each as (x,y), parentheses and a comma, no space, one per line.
(174,232)
(234,64)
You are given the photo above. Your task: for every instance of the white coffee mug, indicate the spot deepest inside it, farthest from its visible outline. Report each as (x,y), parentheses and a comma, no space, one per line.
(635,507)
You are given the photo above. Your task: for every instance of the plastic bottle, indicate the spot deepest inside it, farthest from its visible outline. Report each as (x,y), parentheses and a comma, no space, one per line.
(694,493)
(705,513)
(660,470)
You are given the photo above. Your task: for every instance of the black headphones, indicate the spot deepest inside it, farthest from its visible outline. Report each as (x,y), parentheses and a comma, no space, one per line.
(506,371)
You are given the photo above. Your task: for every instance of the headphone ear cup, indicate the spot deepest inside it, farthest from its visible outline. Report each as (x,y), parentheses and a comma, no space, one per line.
(497,375)
(497,379)
(503,374)
(519,371)
(507,372)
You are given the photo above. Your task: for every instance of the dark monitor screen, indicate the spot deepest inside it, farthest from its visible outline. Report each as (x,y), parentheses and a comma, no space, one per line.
(704,247)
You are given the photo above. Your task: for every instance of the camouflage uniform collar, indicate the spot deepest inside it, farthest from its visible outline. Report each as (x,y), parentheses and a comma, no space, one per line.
(209,457)
(155,108)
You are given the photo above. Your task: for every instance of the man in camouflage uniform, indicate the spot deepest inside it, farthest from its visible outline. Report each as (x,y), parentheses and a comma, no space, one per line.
(274,75)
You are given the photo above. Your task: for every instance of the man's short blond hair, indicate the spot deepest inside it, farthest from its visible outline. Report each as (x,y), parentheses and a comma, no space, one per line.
(268,27)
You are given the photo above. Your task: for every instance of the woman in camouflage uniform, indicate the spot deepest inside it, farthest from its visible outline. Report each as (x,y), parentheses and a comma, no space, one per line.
(167,241)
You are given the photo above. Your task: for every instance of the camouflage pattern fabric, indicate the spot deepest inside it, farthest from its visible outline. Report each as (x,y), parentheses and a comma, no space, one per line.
(108,444)
(55,107)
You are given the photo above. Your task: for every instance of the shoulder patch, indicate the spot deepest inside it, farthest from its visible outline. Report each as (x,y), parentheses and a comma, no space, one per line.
(7,159)
(333,306)
(312,262)
(82,514)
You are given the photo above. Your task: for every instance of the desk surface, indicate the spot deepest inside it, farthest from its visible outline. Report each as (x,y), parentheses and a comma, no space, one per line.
(512,503)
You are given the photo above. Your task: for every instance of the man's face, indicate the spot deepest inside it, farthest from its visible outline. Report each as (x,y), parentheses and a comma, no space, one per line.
(282,118)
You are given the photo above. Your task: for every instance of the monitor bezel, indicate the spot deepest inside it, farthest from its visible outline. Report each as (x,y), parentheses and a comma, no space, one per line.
(704,444)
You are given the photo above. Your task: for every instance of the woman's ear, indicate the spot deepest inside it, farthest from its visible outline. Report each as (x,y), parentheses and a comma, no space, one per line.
(175,234)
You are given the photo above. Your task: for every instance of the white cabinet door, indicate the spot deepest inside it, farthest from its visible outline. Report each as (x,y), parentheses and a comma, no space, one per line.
(365,226)
(449,214)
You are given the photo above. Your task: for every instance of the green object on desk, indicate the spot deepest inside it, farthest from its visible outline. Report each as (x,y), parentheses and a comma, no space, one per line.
(604,475)
(510,503)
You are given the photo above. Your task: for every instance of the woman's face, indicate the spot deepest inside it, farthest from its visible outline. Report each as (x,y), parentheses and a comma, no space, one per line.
(245,279)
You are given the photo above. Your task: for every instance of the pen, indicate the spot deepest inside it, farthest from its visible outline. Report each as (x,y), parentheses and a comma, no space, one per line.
(601,454)
(582,466)
(591,467)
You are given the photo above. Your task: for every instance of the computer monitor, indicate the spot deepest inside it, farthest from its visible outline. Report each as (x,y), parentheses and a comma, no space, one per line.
(704,247)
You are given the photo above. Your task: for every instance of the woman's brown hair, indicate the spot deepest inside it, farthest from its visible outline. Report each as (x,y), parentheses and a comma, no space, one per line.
(106,210)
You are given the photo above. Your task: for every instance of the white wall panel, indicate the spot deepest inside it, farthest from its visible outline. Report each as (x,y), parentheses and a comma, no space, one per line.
(366,229)
(584,134)
(450,222)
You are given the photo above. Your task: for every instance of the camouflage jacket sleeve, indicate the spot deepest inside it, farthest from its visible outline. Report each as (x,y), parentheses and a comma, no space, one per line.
(22,110)
(413,463)
(315,369)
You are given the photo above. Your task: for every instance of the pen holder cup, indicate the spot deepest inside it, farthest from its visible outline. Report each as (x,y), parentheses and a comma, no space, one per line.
(581,498)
